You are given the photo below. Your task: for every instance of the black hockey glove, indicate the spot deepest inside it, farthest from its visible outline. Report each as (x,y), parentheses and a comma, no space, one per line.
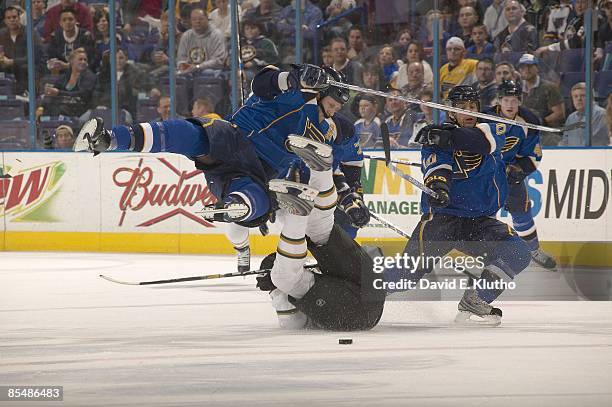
(308,77)
(436,135)
(350,201)
(264,282)
(515,174)
(443,199)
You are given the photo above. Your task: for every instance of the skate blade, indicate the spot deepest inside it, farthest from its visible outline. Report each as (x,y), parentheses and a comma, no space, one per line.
(470,319)
(233,211)
(282,186)
(299,142)
(82,142)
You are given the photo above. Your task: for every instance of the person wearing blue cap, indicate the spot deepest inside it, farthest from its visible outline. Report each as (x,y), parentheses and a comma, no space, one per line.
(542,97)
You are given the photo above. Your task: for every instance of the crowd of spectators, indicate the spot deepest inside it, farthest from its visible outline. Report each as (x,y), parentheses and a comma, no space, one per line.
(385,45)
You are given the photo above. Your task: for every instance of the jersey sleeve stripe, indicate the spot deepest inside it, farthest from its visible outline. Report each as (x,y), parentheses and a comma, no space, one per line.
(437,167)
(486,129)
(148,137)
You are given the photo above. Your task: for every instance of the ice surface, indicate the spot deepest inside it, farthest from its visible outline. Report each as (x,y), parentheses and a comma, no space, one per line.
(217,342)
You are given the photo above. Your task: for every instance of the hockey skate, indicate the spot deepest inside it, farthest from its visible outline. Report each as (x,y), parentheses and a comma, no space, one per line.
(316,155)
(244,259)
(234,210)
(543,259)
(93,137)
(295,198)
(475,311)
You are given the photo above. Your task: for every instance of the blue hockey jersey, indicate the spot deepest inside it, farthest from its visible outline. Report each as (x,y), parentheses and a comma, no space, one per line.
(478,184)
(521,144)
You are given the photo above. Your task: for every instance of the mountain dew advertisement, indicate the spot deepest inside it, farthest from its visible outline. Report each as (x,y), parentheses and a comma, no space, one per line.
(401,197)
(26,192)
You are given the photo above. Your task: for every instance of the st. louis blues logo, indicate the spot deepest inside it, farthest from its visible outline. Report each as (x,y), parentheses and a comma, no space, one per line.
(465,163)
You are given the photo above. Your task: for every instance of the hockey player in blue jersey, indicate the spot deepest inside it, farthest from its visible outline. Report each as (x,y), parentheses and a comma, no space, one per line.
(462,164)
(522,154)
(239,156)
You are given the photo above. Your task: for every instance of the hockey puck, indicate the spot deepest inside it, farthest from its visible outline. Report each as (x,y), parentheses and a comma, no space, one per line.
(346,341)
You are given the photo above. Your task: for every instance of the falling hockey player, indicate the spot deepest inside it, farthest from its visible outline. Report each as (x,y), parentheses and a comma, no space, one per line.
(462,164)
(244,158)
(521,153)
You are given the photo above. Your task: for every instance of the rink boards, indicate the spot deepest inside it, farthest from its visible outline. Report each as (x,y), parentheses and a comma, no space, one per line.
(148,203)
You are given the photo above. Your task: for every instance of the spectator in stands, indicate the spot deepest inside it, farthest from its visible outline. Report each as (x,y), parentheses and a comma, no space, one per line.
(556,16)
(519,35)
(220,17)
(604,35)
(312,16)
(414,53)
(368,126)
(159,56)
(425,116)
(573,37)
(133,9)
(542,97)
(202,46)
(371,75)
(102,38)
(62,139)
(481,47)
(340,27)
(505,71)
(415,81)
(485,82)
(468,18)
(66,39)
(268,14)
(80,11)
(203,107)
(352,70)
(327,57)
(72,97)
(39,16)
(426,36)
(358,50)
(494,18)
(257,50)
(388,65)
(579,137)
(13,49)
(458,70)
(130,81)
(163,108)
(185,7)
(399,121)
(402,40)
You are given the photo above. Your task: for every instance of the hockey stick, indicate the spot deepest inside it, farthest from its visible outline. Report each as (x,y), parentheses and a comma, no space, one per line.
(454,109)
(384,130)
(183,279)
(400,161)
(389,225)
(196,278)
(413,181)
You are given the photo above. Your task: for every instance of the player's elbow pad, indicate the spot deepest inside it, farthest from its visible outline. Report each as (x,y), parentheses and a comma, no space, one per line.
(266,83)
(478,140)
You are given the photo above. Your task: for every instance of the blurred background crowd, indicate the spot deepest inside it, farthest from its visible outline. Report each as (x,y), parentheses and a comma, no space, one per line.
(386,45)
